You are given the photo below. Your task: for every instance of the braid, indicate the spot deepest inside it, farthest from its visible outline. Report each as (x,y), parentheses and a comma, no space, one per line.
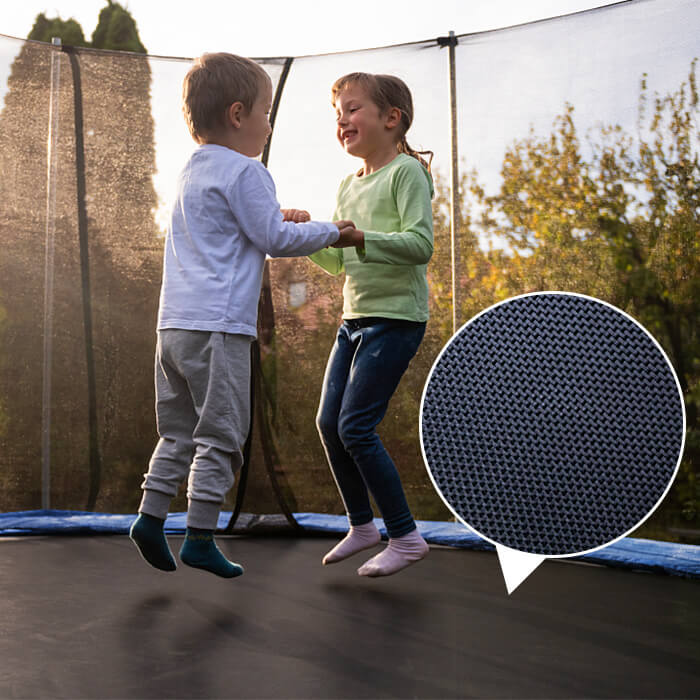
(405,148)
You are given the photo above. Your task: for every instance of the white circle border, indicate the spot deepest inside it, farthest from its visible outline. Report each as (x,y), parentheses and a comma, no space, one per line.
(673,374)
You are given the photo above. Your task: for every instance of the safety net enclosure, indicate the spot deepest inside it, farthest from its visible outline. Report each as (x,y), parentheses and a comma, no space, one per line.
(575,165)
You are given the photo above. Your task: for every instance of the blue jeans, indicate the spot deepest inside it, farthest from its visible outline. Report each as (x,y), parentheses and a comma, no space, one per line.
(365,366)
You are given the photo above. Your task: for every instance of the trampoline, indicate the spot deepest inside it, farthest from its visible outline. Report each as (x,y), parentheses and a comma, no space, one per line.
(82,615)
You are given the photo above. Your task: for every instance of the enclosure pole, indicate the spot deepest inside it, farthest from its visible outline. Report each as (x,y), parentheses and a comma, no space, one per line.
(454,187)
(51,176)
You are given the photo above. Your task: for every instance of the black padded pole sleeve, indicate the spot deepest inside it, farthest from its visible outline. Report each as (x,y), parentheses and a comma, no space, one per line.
(95,459)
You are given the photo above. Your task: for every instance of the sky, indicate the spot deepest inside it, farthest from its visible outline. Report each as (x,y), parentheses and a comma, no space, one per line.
(283,28)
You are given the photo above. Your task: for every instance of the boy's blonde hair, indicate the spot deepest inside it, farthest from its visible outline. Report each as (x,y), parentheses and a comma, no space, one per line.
(386,91)
(213,84)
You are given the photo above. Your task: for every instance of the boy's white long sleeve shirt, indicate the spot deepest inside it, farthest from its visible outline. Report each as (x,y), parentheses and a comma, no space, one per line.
(225,219)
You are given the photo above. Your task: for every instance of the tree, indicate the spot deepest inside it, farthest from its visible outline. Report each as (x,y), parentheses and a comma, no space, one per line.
(621,226)
(116,30)
(3,409)
(69,31)
(124,264)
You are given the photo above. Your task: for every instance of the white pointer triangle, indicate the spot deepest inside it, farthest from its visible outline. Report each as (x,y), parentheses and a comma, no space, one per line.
(517,566)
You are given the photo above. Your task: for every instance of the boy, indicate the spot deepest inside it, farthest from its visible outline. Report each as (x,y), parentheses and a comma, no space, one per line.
(225,220)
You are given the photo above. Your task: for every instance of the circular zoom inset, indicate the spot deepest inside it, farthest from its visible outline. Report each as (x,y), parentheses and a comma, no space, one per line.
(552,423)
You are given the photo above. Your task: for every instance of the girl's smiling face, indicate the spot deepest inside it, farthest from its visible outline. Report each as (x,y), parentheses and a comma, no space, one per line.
(361,128)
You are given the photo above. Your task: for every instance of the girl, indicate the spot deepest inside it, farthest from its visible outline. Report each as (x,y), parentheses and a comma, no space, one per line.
(384,313)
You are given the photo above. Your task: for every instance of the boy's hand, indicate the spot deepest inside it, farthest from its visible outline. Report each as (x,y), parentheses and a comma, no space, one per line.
(298,216)
(349,235)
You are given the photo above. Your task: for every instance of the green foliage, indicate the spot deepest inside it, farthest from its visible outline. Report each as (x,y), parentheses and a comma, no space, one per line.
(621,224)
(69,31)
(116,30)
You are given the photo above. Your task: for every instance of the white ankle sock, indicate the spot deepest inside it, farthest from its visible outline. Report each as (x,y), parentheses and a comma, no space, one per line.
(359,537)
(399,553)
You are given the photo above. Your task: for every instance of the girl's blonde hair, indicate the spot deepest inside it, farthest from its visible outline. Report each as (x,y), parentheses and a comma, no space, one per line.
(386,91)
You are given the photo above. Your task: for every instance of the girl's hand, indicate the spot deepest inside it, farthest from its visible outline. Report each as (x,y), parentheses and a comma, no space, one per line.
(349,235)
(298,216)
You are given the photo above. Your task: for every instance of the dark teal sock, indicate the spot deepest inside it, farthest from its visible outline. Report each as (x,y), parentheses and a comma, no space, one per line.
(200,551)
(147,534)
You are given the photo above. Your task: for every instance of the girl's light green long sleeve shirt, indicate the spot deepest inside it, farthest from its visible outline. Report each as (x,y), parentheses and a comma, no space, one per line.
(387,277)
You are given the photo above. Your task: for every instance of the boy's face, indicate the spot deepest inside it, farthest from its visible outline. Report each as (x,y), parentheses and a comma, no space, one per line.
(254,126)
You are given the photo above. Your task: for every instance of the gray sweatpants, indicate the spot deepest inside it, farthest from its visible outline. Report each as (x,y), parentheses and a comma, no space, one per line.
(203,416)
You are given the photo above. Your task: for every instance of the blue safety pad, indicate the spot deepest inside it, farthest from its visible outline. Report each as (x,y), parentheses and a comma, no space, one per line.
(73,522)
(632,553)
(552,423)
(629,552)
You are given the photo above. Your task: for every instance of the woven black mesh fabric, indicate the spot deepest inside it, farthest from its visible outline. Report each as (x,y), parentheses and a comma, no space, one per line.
(552,423)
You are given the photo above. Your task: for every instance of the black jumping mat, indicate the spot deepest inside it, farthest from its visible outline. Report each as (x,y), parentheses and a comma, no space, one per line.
(85,617)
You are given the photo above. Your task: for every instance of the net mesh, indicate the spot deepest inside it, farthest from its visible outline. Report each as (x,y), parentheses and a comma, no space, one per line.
(543,114)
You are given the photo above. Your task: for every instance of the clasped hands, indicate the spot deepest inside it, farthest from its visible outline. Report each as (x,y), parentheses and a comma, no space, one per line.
(349,235)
